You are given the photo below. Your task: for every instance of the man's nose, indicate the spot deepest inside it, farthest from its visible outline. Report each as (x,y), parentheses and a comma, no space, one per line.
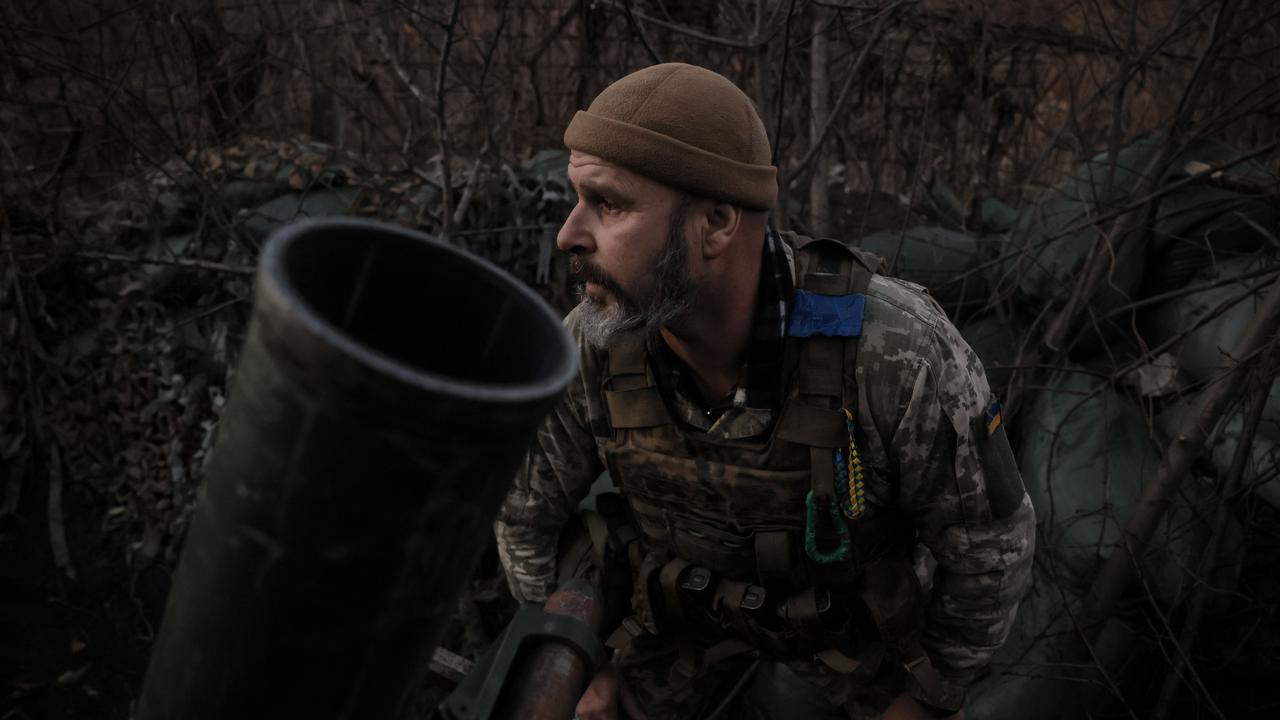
(574,236)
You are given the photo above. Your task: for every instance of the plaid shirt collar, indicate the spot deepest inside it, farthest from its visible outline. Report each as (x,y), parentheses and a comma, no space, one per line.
(760,384)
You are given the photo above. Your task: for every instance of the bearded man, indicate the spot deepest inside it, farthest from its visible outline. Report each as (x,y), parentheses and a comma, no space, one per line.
(790,432)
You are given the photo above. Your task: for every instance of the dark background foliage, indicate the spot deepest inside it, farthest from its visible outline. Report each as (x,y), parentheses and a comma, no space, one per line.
(147,149)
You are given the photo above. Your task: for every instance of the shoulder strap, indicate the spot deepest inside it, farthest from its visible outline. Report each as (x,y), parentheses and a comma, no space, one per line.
(814,415)
(824,379)
(822,255)
(630,393)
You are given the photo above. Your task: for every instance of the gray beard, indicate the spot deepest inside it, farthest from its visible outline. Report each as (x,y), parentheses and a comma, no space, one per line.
(601,325)
(673,294)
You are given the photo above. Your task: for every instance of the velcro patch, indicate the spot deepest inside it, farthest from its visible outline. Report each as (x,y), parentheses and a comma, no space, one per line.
(826,315)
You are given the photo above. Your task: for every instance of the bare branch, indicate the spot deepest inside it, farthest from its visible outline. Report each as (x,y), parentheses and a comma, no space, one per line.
(442,126)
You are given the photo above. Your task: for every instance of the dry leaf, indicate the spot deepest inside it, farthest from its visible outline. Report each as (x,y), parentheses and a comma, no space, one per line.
(1195,167)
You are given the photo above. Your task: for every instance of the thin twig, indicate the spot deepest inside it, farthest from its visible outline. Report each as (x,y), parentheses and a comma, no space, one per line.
(1116,575)
(57,528)
(854,71)
(442,126)
(819,123)
(734,691)
(780,214)
(1128,234)
(131,260)
(506,228)
(469,191)
(1088,643)
(749,44)
(1264,376)
(631,20)
(782,91)
(1188,290)
(32,399)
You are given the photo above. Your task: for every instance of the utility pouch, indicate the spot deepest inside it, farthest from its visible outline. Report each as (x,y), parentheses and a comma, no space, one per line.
(999,467)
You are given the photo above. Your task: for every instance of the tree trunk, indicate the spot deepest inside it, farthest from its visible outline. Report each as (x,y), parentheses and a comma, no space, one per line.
(819,93)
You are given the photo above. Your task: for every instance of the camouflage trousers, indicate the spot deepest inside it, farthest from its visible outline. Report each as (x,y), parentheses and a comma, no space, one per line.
(748,687)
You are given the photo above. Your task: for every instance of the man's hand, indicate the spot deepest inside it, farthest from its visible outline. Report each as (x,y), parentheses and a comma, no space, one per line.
(905,707)
(601,698)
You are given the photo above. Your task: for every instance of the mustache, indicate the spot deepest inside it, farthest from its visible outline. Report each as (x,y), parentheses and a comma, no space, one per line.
(587,271)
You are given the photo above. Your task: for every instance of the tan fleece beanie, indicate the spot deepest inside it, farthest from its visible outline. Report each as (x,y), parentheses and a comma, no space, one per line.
(685,126)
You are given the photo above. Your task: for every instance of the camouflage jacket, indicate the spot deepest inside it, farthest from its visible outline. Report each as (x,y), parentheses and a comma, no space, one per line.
(924,395)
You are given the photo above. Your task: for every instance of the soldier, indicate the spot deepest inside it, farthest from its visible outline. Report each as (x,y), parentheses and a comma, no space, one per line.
(789,429)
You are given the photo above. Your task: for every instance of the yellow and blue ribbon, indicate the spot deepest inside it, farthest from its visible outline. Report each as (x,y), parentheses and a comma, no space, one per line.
(852,474)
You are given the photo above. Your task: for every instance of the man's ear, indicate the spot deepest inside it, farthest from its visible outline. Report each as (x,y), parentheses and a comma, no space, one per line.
(723,221)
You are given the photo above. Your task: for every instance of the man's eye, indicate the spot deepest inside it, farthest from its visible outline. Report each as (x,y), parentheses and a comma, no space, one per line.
(607,206)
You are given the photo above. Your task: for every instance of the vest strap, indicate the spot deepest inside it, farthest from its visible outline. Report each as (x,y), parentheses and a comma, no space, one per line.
(918,665)
(635,408)
(806,424)
(802,613)
(627,358)
(598,530)
(728,603)
(773,556)
(724,650)
(630,395)
(625,634)
(822,474)
(644,586)
(838,661)
(668,580)
(822,370)
(825,284)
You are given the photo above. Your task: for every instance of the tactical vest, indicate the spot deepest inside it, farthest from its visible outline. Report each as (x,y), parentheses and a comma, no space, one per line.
(741,509)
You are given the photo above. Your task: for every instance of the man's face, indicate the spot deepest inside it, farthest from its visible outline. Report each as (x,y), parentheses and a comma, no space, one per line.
(627,245)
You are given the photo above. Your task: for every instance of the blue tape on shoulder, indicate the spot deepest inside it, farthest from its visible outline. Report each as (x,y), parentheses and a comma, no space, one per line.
(828,315)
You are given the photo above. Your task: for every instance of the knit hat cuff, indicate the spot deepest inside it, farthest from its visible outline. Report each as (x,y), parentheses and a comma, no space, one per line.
(668,160)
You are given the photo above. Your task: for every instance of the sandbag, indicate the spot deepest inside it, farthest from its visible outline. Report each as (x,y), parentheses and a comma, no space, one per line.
(1086,452)
(1211,220)
(944,261)
(320,202)
(1261,473)
(1206,325)
(1027,668)
(979,215)
(995,341)
(1053,237)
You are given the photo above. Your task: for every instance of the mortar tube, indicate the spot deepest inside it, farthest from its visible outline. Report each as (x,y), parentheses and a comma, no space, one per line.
(388,388)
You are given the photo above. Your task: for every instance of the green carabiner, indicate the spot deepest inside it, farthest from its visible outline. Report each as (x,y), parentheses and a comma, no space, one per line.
(841,553)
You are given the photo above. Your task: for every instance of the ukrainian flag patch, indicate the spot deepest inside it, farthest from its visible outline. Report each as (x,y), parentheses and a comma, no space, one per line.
(993,417)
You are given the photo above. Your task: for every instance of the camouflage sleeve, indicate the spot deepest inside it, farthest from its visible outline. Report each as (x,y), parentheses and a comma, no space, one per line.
(556,475)
(961,486)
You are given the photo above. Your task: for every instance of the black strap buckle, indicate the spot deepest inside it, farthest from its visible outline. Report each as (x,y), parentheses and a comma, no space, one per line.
(695,579)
